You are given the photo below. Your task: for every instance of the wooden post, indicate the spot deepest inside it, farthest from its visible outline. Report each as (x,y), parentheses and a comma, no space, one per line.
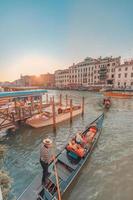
(19,111)
(60,102)
(83,106)
(23,113)
(66,101)
(46,98)
(51,101)
(32,103)
(53,111)
(30,111)
(15,105)
(71,110)
(40,104)
(13,118)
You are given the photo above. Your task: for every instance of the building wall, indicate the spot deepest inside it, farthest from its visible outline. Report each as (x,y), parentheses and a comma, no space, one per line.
(124,75)
(62,78)
(90,72)
(47,80)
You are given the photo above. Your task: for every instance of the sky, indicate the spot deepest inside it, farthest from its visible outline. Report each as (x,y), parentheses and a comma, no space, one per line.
(40,36)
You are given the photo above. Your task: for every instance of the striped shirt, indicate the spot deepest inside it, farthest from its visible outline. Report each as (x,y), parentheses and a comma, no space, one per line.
(45,154)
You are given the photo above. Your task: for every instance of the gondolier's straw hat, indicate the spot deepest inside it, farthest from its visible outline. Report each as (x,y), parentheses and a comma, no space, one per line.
(47,142)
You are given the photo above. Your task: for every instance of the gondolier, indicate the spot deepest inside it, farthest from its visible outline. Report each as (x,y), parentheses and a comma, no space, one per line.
(45,157)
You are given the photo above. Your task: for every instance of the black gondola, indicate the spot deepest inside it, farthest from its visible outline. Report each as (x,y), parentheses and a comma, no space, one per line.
(68,165)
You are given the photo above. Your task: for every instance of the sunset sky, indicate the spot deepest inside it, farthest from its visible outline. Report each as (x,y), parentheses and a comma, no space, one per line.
(40,36)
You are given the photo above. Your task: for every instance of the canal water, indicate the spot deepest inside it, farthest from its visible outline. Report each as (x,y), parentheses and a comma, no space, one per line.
(108,174)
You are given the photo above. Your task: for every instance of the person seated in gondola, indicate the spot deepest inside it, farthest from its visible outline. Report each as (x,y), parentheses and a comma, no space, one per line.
(91,134)
(79,139)
(104,100)
(75,148)
(108,101)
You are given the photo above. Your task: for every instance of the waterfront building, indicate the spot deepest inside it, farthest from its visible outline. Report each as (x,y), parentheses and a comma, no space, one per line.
(124,75)
(90,72)
(47,80)
(62,78)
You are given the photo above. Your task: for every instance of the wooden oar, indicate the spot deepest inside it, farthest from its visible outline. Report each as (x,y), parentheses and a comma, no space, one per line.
(1,198)
(56,176)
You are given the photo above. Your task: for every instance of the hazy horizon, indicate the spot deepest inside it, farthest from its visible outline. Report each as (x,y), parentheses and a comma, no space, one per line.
(37,37)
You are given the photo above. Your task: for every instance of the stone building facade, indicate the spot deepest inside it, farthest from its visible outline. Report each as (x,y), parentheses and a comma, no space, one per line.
(90,72)
(124,75)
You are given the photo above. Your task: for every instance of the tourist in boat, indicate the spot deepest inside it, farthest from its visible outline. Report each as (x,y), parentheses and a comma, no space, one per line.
(79,139)
(76,148)
(91,134)
(45,157)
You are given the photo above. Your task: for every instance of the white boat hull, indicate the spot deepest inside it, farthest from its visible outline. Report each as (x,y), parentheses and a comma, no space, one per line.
(37,123)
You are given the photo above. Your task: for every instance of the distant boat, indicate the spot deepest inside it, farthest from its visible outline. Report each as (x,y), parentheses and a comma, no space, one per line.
(106,103)
(68,164)
(122,95)
(46,118)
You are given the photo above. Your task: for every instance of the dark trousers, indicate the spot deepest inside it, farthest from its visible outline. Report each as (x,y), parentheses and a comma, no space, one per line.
(45,171)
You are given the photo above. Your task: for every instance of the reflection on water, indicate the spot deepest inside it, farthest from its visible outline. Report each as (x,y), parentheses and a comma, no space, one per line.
(107,175)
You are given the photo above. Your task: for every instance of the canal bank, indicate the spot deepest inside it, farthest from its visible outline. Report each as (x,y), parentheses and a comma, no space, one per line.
(109,162)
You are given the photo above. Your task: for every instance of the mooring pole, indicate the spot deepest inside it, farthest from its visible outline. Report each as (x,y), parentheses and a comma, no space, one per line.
(15,105)
(60,102)
(23,113)
(66,101)
(51,100)
(13,118)
(19,111)
(40,103)
(71,110)
(32,103)
(46,98)
(53,111)
(83,102)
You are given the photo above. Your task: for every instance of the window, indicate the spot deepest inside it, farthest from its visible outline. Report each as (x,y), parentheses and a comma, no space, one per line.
(118,83)
(126,68)
(112,75)
(131,83)
(131,74)
(119,69)
(125,75)
(119,75)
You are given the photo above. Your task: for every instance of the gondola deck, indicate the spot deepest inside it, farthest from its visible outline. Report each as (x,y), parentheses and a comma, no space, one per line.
(67,168)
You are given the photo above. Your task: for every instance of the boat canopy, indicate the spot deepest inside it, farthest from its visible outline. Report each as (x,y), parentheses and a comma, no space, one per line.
(22,93)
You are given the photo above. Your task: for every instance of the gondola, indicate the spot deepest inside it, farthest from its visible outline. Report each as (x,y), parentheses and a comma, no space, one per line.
(107,103)
(68,166)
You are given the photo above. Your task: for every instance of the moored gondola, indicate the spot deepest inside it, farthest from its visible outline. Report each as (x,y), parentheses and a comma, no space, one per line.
(68,164)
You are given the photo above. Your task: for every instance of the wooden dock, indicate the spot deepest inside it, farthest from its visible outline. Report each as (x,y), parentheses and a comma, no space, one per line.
(14,110)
